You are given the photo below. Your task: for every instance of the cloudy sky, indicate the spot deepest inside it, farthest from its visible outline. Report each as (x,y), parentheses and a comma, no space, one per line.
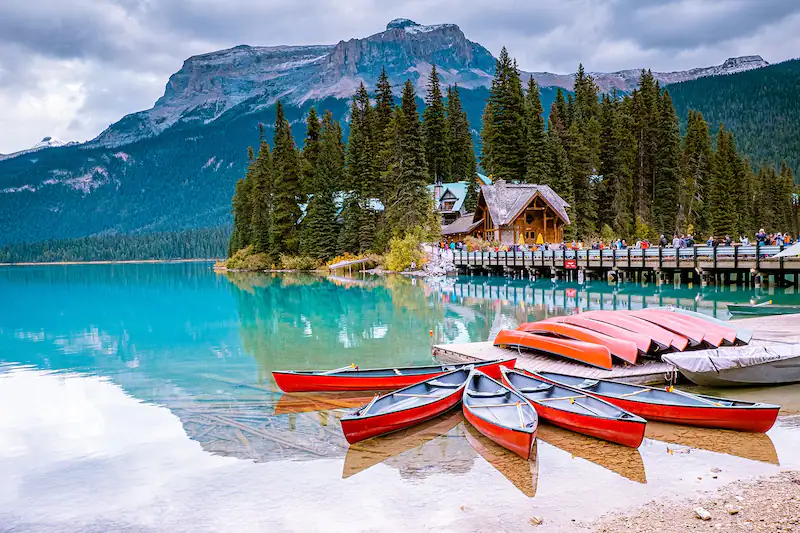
(69,68)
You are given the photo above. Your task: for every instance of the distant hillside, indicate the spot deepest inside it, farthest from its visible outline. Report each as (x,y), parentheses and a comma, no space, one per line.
(761,107)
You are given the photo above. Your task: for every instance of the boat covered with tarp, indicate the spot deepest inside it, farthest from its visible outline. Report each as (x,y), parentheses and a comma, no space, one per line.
(740,366)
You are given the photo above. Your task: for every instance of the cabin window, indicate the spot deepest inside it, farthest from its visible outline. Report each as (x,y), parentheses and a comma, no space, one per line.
(529,218)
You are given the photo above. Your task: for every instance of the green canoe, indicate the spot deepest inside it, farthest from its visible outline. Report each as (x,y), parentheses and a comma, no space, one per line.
(762,309)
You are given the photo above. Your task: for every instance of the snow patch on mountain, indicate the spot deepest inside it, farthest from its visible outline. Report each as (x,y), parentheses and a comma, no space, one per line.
(47,142)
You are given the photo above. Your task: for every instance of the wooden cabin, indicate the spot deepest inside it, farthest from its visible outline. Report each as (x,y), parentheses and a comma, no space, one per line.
(508,211)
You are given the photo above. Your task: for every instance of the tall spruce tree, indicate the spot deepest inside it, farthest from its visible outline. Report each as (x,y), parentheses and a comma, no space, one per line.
(287,195)
(695,175)
(261,194)
(462,152)
(384,107)
(721,207)
(310,154)
(784,210)
(646,114)
(321,231)
(667,168)
(622,169)
(505,147)
(434,127)
(537,167)
(409,205)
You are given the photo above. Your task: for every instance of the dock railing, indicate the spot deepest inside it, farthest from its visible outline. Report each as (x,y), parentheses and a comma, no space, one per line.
(736,257)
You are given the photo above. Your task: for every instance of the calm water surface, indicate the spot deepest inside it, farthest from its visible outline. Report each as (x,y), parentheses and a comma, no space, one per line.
(139,398)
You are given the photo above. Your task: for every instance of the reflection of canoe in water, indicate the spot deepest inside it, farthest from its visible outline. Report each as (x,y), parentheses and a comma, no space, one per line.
(622,460)
(753,446)
(307,402)
(371,452)
(521,473)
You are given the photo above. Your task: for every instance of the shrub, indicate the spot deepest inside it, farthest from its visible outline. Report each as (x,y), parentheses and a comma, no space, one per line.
(298,262)
(405,250)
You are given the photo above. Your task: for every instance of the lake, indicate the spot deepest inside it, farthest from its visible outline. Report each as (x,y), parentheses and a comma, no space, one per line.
(138,398)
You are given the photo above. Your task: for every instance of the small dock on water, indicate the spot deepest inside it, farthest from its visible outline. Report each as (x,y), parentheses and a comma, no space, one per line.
(784,329)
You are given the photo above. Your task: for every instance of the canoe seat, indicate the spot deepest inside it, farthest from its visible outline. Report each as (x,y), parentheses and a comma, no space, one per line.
(444,385)
(487,394)
(541,388)
(587,384)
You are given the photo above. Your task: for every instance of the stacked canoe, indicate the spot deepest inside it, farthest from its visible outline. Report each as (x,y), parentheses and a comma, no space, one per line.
(599,338)
(505,404)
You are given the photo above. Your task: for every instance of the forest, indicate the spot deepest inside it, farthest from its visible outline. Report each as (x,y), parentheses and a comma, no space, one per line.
(620,161)
(208,243)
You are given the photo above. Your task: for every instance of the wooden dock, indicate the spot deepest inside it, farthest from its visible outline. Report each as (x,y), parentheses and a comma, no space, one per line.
(766,330)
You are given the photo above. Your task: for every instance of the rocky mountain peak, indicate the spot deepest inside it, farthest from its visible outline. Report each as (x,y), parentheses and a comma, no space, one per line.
(397,24)
(738,64)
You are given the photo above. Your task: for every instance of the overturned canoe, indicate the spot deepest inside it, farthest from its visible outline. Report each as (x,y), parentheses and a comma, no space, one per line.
(354,379)
(500,414)
(743,335)
(620,348)
(713,334)
(664,338)
(406,407)
(644,344)
(697,334)
(673,405)
(574,410)
(582,352)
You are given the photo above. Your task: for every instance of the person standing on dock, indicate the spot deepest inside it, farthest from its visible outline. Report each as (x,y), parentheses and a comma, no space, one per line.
(676,242)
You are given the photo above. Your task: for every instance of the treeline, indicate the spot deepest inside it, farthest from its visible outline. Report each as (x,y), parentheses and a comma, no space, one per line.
(328,199)
(205,243)
(622,165)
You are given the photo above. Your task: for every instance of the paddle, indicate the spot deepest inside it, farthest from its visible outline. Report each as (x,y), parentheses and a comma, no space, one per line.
(521,419)
(363,411)
(693,396)
(418,395)
(347,368)
(573,398)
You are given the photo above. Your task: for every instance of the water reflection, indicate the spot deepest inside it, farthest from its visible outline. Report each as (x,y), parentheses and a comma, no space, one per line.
(622,460)
(521,473)
(752,446)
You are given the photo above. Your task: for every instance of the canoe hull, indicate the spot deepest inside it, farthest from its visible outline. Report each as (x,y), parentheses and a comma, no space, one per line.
(643,343)
(755,419)
(620,348)
(583,352)
(361,428)
(519,442)
(300,382)
(763,310)
(713,333)
(665,339)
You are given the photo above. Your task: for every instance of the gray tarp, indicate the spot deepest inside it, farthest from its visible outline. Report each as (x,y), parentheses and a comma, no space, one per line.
(731,357)
(792,251)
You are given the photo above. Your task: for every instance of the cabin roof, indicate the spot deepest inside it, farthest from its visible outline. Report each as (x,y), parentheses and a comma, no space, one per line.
(461,225)
(457,189)
(506,201)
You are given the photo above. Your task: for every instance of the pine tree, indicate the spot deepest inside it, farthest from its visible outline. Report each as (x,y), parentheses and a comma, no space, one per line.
(434,127)
(284,234)
(560,175)
(462,151)
(409,205)
(473,192)
(487,139)
(721,206)
(667,168)
(785,190)
(242,213)
(695,175)
(621,170)
(646,114)
(262,178)
(506,149)
(384,107)
(536,157)
(310,153)
(746,199)
(320,226)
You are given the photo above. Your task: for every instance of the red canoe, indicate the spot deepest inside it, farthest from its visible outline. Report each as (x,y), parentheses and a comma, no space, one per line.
(500,414)
(713,334)
(406,407)
(355,379)
(583,352)
(674,406)
(643,343)
(572,409)
(665,339)
(695,335)
(624,349)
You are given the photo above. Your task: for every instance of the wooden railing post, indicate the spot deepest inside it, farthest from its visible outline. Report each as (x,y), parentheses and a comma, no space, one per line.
(736,260)
(660,257)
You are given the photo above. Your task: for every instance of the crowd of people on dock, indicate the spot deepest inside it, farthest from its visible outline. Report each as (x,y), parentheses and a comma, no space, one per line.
(761,238)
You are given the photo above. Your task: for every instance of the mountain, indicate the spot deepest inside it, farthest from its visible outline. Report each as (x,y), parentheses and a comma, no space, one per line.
(174,166)
(47,142)
(759,106)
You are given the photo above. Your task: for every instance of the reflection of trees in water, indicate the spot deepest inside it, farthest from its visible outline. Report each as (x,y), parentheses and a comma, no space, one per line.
(309,322)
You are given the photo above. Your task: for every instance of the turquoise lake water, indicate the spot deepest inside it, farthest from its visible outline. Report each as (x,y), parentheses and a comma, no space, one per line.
(139,398)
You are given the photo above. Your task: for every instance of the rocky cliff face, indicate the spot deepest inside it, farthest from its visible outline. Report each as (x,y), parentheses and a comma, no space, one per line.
(251,78)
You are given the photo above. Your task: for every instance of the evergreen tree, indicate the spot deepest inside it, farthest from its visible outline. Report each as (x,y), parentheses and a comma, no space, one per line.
(646,114)
(721,206)
(384,107)
(536,157)
(667,168)
(284,234)
(560,176)
(487,139)
(462,151)
(410,205)
(261,192)
(320,226)
(473,193)
(746,198)
(784,212)
(358,212)
(506,145)
(695,175)
(242,213)
(621,170)
(434,126)
(310,153)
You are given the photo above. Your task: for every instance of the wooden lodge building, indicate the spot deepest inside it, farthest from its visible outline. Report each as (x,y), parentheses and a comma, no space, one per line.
(510,213)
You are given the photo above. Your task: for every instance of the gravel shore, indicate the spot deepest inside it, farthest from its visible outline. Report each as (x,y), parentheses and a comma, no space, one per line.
(755,506)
